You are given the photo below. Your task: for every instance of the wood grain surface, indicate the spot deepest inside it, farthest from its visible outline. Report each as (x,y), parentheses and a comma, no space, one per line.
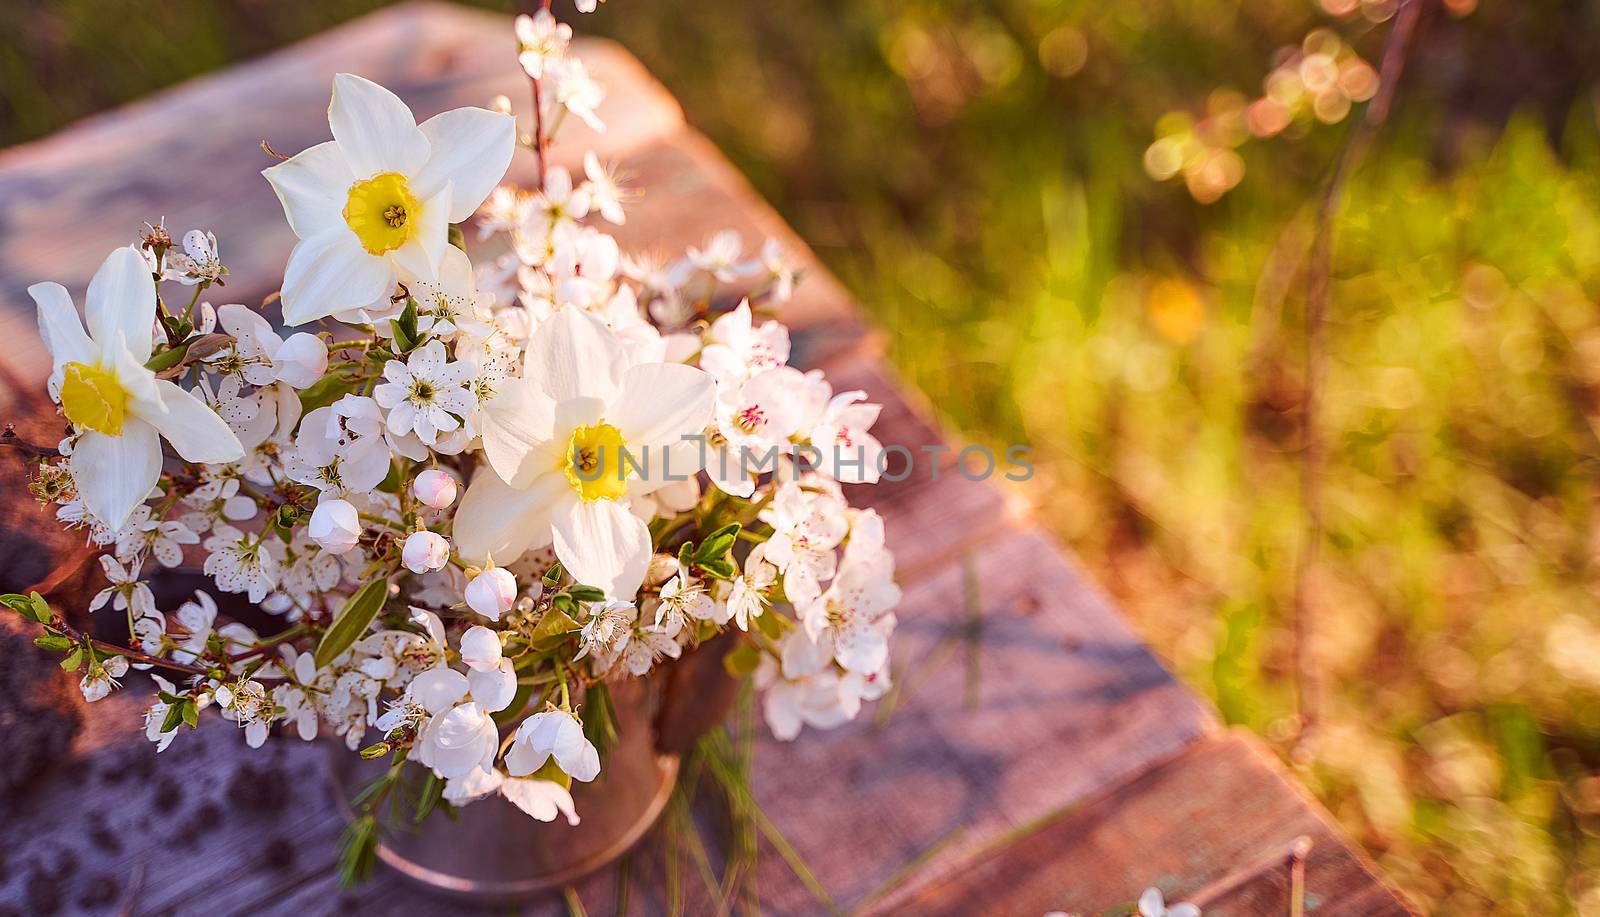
(1034,755)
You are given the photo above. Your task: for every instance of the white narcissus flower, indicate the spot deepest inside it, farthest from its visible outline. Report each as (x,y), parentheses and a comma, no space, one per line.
(570,441)
(335,526)
(375,203)
(557,734)
(425,552)
(427,394)
(119,407)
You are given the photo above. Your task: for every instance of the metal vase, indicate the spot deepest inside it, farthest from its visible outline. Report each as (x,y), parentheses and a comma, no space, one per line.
(494,853)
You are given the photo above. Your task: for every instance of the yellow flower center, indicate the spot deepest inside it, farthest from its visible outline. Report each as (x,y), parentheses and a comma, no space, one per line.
(93,398)
(594,464)
(382,212)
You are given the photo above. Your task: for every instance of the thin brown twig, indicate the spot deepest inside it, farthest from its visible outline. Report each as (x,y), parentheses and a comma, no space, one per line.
(10,438)
(1318,282)
(1294,858)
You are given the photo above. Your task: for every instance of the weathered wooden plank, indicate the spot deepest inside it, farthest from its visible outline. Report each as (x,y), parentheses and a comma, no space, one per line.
(1213,823)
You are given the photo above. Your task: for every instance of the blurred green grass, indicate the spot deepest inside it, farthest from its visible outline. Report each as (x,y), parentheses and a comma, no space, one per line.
(973,172)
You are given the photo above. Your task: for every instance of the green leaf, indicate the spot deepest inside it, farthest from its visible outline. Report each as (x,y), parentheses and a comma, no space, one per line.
(563,603)
(352,620)
(718,543)
(599,717)
(358,850)
(555,625)
(742,660)
(457,237)
(432,792)
(74,660)
(405,328)
(721,568)
(174,717)
(31,606)
(55,643)
(338,383)
(586,593)
(191,713)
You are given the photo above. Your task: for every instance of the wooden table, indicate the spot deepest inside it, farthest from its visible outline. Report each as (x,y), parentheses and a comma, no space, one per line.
(1038,756)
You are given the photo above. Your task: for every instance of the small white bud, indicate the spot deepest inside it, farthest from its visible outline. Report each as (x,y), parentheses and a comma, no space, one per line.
(434,488)
(480,649)
(425,552)
(335,526)
(492,592)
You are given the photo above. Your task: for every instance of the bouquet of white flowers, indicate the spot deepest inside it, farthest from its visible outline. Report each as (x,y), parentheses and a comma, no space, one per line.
(475,491)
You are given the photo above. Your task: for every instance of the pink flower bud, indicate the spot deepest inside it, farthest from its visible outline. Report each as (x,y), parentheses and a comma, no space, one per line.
(425,552)
(434,488)
(335,525)
(492,592)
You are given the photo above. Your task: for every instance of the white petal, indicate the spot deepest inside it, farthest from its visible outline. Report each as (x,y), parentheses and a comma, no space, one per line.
(470,149)
(660,403)
(115,473)
(480,649)
(313,188)
(329,273)
(60,326)
(494,689)
(1151,904)
(497,520)
(573,354)
(419,258)
(542,799)
(438,688)
(194,430)
(603,545)
(375,130)
(519,435)
(122,299)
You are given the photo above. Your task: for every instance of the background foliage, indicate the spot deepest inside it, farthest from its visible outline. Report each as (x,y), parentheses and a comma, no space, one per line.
(975,172)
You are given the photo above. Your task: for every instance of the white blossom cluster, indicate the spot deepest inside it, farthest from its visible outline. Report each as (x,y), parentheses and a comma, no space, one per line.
(473,492)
